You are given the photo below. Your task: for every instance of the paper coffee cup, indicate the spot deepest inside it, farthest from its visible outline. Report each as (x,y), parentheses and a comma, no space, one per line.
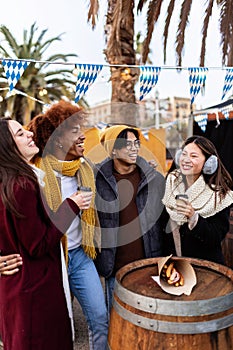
(84,189)
(181,198)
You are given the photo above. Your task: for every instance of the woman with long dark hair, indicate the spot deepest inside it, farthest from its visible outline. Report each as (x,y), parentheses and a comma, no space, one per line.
(33,305)
(197,198)
(59,134)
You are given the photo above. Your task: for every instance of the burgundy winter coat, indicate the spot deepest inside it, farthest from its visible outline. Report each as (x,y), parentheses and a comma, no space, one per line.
(33,310)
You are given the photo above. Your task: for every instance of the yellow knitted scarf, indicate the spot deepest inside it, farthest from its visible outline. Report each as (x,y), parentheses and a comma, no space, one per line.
(53,195)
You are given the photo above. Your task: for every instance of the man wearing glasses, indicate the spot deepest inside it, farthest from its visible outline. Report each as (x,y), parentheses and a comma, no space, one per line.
(128,200)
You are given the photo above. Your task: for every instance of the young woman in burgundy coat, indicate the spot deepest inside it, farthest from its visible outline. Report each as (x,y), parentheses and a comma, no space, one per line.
(33,306)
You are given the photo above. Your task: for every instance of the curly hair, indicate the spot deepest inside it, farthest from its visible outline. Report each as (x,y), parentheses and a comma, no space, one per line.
(44,125)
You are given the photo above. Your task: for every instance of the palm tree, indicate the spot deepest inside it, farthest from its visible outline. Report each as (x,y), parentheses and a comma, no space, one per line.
(38,80)
(120,37)
(120,51)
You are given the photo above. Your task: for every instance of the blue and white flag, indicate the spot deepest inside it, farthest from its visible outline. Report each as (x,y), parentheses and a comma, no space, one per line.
(148,79)
(145,133)
(227,82)
(226,111)
(201,120)
(101,125)
(14,70)
(197,78)
(86,75)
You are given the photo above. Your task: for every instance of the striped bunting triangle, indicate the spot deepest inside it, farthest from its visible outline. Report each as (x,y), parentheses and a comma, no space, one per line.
(14,70)
(101,125)
(148,79)
(227,82)
(201,120)
(197,78)
(226,111)
(87,74)
(145,133)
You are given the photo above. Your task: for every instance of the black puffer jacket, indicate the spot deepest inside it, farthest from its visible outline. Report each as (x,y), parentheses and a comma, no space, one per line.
(204,240)
(149,204)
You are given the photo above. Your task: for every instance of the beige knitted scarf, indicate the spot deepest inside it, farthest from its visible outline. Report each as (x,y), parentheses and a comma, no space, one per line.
(53,195)
(205,201)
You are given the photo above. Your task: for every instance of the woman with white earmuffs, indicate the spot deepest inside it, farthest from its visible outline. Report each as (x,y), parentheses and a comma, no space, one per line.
(197,198)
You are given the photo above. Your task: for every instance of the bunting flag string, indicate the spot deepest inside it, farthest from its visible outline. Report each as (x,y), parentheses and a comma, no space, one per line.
(148,79)
(14,70)
(197,78)
(227,82)
(86,75)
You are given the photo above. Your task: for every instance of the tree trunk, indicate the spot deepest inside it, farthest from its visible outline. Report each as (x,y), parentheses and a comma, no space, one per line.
(3,107)
(19,109)
(120,51)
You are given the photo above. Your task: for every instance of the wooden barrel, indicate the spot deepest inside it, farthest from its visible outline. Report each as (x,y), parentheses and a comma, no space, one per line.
(227,244)
(144,317)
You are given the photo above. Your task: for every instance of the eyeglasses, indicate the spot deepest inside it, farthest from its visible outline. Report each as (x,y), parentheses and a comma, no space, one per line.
(129,144)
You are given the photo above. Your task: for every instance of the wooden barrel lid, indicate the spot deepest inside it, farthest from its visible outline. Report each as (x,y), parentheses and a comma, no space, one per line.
(213,280)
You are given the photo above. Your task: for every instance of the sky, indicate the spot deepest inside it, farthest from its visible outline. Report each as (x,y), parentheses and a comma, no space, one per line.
(70,17)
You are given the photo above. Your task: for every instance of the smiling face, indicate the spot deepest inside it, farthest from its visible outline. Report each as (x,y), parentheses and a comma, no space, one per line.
(23,139)
(192,161)
(126,156)
(70,142)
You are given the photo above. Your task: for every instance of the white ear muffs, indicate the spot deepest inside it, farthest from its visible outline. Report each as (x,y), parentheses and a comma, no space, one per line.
(210,165)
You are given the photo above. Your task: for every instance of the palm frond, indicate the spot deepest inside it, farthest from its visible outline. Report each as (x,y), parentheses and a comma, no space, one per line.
(166,28)
(4,52)
(55,93)
(56,57)
(61,57)
(141,3)
(59,72)
(154,9)
(42,34)
(230,52)
(24,47)
(226,28)
(28,42)
(93,12)
(208,13)
(10,39)
(230,55)
(39,48)
(57,81)
(184,16)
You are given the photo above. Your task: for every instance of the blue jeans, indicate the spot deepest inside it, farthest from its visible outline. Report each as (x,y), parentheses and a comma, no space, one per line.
(86,287)
(109,288)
